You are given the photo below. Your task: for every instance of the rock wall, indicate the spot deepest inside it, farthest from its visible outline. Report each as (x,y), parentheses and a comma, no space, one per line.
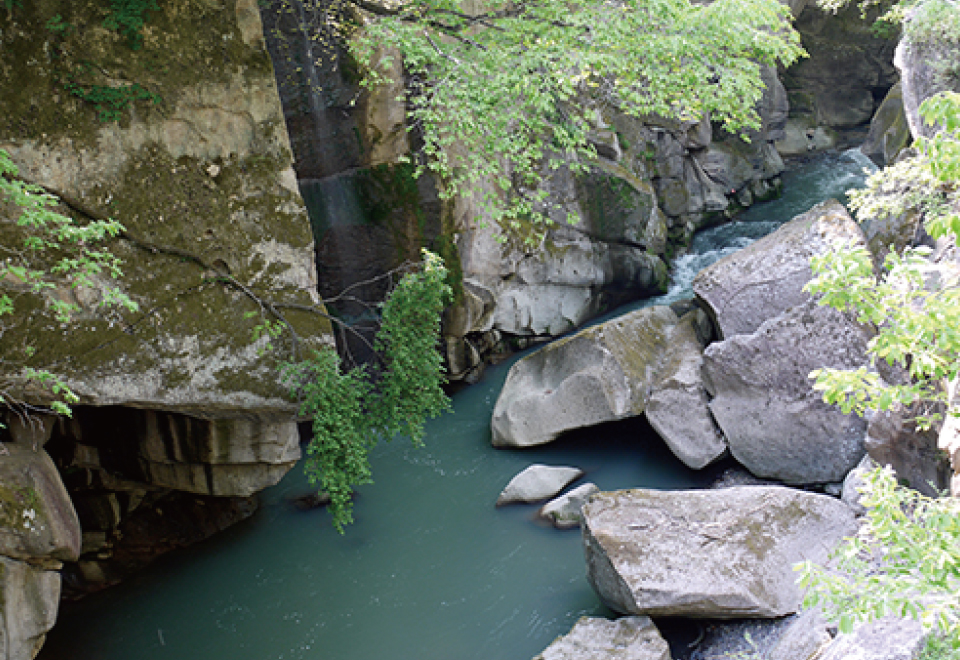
(189,151)
(653,186)
(835,92)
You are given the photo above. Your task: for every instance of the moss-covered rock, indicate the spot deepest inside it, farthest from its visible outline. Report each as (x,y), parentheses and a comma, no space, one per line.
(600,374)
(202,181)
(37,520)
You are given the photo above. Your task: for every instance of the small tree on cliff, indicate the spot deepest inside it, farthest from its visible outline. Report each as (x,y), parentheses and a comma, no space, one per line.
(352,410)
(79,260)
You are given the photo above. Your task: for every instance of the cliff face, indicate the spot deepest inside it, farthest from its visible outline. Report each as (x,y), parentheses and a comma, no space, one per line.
(176,131)
(200,176)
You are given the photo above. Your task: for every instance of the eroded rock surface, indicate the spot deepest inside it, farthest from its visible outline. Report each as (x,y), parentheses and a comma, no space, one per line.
(776,425)
(202,181)
(723,553)
(600,374)
(767,277)
(677,409)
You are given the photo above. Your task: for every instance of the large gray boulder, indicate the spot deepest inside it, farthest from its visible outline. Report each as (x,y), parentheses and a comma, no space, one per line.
(767,277)
(677,409)
(724,553)
(593,638)
(889,133)
(893,438)
(776,425)
(804,637)
(538,482)
(600,374)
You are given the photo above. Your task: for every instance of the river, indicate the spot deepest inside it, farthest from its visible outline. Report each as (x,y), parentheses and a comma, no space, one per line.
(431,570)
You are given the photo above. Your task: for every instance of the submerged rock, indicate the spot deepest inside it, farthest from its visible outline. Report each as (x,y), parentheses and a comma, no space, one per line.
(593,638)
(777,426)
(600,374)
(724,553)
(567,510)
(538,482)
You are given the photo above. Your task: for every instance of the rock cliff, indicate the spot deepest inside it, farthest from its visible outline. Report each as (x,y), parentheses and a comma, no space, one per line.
(175,130)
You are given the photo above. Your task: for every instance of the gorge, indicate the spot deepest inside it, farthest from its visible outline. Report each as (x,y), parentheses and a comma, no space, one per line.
(182,418)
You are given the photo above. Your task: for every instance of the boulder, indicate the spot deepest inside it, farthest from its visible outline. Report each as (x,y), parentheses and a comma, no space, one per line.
(677,409)
(776,425)
(593,638)
(29,597)
(886,639)
(600,374)
(755,284)
(893,439)
(804,637)
(37,520)
(889,133)
(949,442)
(538,482)
(566,511)
(204,185)
(923,59)
(724,553)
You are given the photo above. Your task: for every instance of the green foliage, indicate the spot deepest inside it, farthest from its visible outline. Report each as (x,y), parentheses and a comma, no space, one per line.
(55,251)
(508,98)
(110,102)
(904,561)
(128,17)
(352,411)
(933,22)
(58,26)
(917,321)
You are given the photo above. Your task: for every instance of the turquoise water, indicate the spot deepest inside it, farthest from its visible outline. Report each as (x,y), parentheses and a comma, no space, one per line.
(431,570)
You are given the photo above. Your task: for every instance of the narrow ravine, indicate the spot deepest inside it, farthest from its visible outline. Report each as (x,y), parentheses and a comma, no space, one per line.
(431,570)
